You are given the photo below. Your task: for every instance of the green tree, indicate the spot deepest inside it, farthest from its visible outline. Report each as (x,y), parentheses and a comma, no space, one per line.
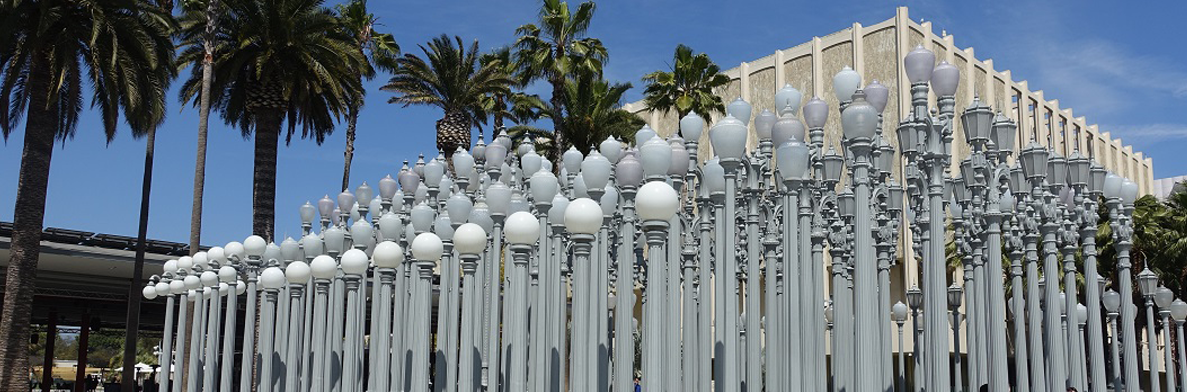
(121,50)
(688,87)
(449,77)
(380,51)
(280,61)
(556,49)
(594,113)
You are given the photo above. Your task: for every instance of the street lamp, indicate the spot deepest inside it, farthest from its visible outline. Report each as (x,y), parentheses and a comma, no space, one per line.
(955,296)
(1148,284)
(1163,298)
(1179,314)
(583,219)
(426,250)
(1111,301)
(899,314)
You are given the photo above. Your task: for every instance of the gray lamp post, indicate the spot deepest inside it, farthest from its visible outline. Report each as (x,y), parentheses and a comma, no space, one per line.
(628,174)
(1111,302)
(728,137)
(919,65)
(915,302)
(1179,314)
(1163,298)
(954,299)
(426,249)
(165,287)
(498,199)
(792,157)
(1148,284)
(1094,178)
(323,268)
(522,231)
(272,278)
(470,240)
(656,203)
(899,315)
(1120,194)
(297,275)
(583,218)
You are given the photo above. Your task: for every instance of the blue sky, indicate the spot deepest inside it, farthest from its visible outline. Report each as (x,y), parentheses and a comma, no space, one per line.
(1120,65)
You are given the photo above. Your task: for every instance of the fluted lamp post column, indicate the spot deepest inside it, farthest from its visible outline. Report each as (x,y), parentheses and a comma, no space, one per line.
(898,313)
(426,250)
(1148,284)
(1111,301)
(656,203)
(1163,299)
(469,240)
(583,219)
(728,138)
(1120,194)
(1179,314)
(522,230)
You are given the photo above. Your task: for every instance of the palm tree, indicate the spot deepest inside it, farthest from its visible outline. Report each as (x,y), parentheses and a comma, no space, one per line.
(688,87)
(557,49)
(451,78)
(595,112)
(497,104)
(380,49)
(122,50)
(194,12)
(280,61)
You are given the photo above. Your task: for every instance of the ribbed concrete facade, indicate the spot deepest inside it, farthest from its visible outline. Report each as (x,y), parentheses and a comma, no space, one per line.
(876,52)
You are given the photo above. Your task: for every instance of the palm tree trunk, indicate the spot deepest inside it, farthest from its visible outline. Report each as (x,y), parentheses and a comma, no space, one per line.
(558,119)
(133,318)
(264,180)
(28,218)
(352,121)
(203,124)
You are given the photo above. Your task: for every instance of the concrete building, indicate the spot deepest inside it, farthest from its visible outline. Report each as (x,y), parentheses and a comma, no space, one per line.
(1164,187)
(876,52)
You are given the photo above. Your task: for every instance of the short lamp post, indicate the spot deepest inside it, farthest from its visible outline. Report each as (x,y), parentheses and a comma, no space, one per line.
(1111,301)
(470,241)
(898,313)
(915,302)
(1179,314)
(583,219)
(522,230)
(426,250)
(955,295)
(1148,284)
(1163,298)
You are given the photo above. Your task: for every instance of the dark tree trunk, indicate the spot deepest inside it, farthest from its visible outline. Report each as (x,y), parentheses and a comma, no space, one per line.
(133,319)
(558,120)
(28,218)
(263,198)
(352,121)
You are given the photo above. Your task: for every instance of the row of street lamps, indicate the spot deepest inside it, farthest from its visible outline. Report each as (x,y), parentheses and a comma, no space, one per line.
(485,271)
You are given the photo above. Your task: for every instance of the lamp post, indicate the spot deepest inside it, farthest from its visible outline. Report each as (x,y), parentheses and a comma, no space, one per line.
(1120,194)
(954,300)
(1163,298)
(1148,284)
(899,314)
(583,218)
(469,240)
(628,174)
(1111,302)
(426,249)
(297,275)
(919,65)
(1179,314)
(915,302)
(728,137)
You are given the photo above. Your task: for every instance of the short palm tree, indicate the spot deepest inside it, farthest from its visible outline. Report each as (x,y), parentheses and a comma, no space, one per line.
(688,87)
(54,53)
(557,49)
(595,112)
(449,77)
(380,50)
(281,61)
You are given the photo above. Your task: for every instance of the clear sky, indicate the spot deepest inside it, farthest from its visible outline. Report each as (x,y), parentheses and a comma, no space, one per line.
(1122,65)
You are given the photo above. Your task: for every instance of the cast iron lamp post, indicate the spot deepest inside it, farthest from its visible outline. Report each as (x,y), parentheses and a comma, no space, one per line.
(1179,314)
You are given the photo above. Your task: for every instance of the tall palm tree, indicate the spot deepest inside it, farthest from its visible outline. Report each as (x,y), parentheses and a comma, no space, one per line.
(380,51)
(207,13)
(557,49)
(687,87)
(514,105)
(451,78)
(122,49)
(281,61)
